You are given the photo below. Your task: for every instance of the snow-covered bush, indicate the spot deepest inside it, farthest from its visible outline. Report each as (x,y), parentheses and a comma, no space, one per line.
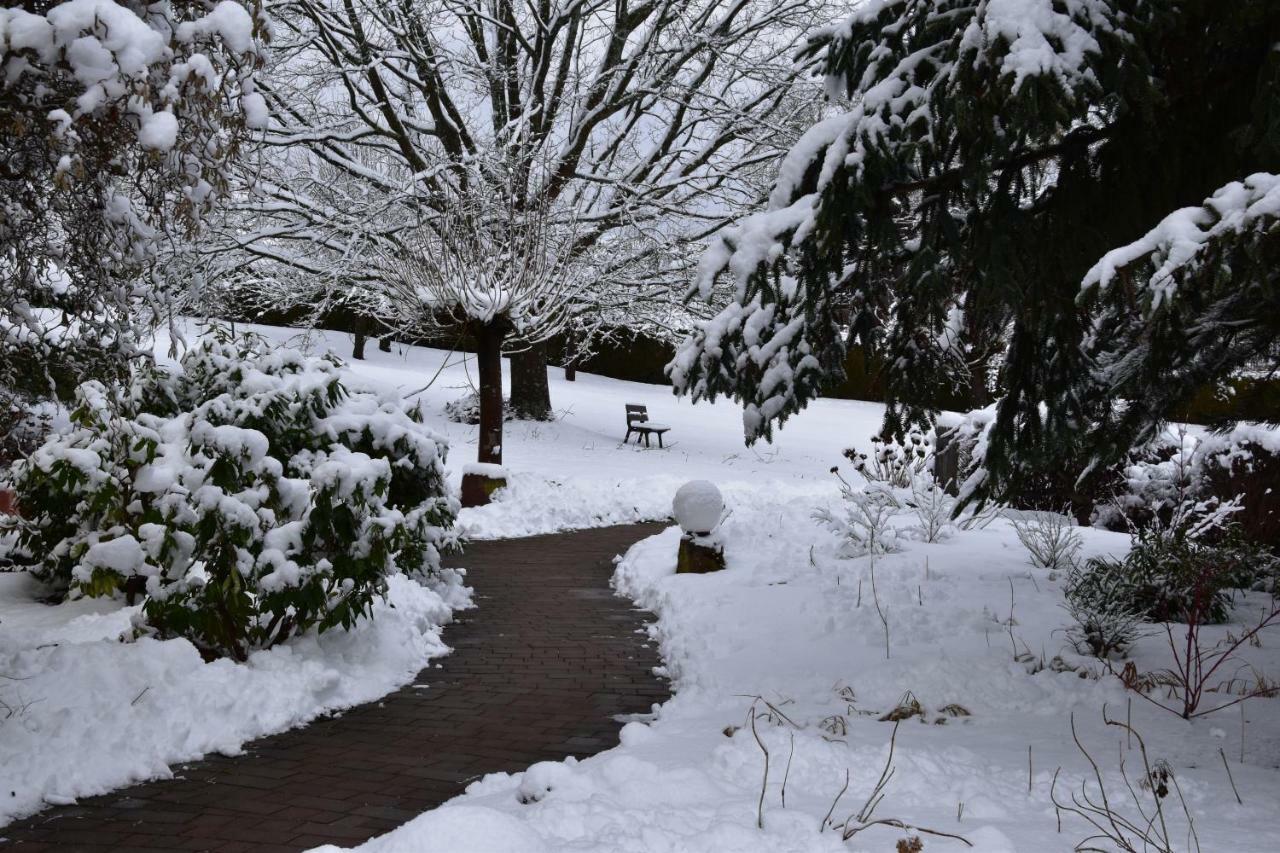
(1183,480)
(893,462)
(864,522)
(1050,537)
(251,493)
(121,122)
(1101,603)
(466,409)
(932,507)
(1244,465)
(1158,479)
(1169,573)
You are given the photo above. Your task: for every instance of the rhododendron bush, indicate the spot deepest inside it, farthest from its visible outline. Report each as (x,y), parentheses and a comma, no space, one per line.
(249,494)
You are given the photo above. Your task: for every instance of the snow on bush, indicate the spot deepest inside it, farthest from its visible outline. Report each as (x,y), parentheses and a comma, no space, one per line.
(466,409)
(893,462)
(1203,482)
(251,493)
(1101,605)
(122,120)
(1049,537)
(864,520)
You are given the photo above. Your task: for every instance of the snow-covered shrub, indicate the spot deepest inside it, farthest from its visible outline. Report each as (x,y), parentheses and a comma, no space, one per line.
(1244,465)
(1101,603)
(932,507)
(1157,480)
(864,522)
(1050,537)
(122,122)
(1169,573)
(892,462)
(23,425)
(1181,478)
(466,409)
(250,493)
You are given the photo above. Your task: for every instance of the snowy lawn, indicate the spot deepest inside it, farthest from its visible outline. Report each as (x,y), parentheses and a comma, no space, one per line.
(575,472)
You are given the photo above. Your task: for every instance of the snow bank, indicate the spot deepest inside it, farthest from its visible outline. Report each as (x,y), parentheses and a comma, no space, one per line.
(94,713)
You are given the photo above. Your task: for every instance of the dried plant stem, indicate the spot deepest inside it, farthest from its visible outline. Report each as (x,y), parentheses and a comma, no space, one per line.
(786,774)
(765,781)
(884,619)
(827,820)
(1230,778)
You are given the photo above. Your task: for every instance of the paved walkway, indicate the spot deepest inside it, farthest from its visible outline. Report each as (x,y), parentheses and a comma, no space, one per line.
(540,670)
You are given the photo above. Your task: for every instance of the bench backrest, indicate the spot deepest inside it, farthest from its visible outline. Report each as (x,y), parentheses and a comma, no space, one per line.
(636,414)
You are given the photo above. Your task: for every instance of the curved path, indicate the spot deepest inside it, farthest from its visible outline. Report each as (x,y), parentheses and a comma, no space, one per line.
(541,669)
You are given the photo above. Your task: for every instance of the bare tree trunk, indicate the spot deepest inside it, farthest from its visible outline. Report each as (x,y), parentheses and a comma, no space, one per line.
(489,355)
(570,372)
(384,344)
(364,328)
(530,393)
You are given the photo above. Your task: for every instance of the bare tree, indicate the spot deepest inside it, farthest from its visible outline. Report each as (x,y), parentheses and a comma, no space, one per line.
(494,268)
(645,123)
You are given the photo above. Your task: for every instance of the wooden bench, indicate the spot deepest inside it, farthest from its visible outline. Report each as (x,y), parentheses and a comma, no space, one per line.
(639,423)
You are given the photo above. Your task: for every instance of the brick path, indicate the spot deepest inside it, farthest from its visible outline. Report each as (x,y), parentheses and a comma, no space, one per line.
(539,671)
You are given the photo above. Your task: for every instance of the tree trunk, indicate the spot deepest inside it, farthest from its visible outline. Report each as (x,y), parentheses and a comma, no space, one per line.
(489,355)
(384,344)
(357,352)
(530,393)
(570,372)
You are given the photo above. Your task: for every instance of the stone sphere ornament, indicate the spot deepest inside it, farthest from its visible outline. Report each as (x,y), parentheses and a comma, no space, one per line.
(698,507)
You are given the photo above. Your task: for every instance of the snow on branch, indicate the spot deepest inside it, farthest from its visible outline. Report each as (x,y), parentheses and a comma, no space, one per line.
(1177,246)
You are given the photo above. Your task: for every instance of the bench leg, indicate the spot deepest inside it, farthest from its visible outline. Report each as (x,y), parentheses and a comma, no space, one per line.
(659,440)
(646,440)
(627,437)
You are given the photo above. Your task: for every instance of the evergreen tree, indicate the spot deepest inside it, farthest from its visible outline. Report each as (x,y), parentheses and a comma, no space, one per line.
(990,153)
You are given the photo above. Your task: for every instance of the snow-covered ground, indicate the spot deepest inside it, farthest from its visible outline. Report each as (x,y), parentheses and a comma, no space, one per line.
(973,629)
(83,712)
(791,629)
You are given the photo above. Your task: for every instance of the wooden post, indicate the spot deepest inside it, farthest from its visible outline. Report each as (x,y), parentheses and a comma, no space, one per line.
(696,557)
(946,459)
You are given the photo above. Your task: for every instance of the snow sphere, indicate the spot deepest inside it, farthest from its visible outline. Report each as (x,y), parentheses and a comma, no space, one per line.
(698,506)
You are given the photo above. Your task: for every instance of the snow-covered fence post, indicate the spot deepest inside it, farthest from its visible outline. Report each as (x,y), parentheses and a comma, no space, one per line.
(698,508)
